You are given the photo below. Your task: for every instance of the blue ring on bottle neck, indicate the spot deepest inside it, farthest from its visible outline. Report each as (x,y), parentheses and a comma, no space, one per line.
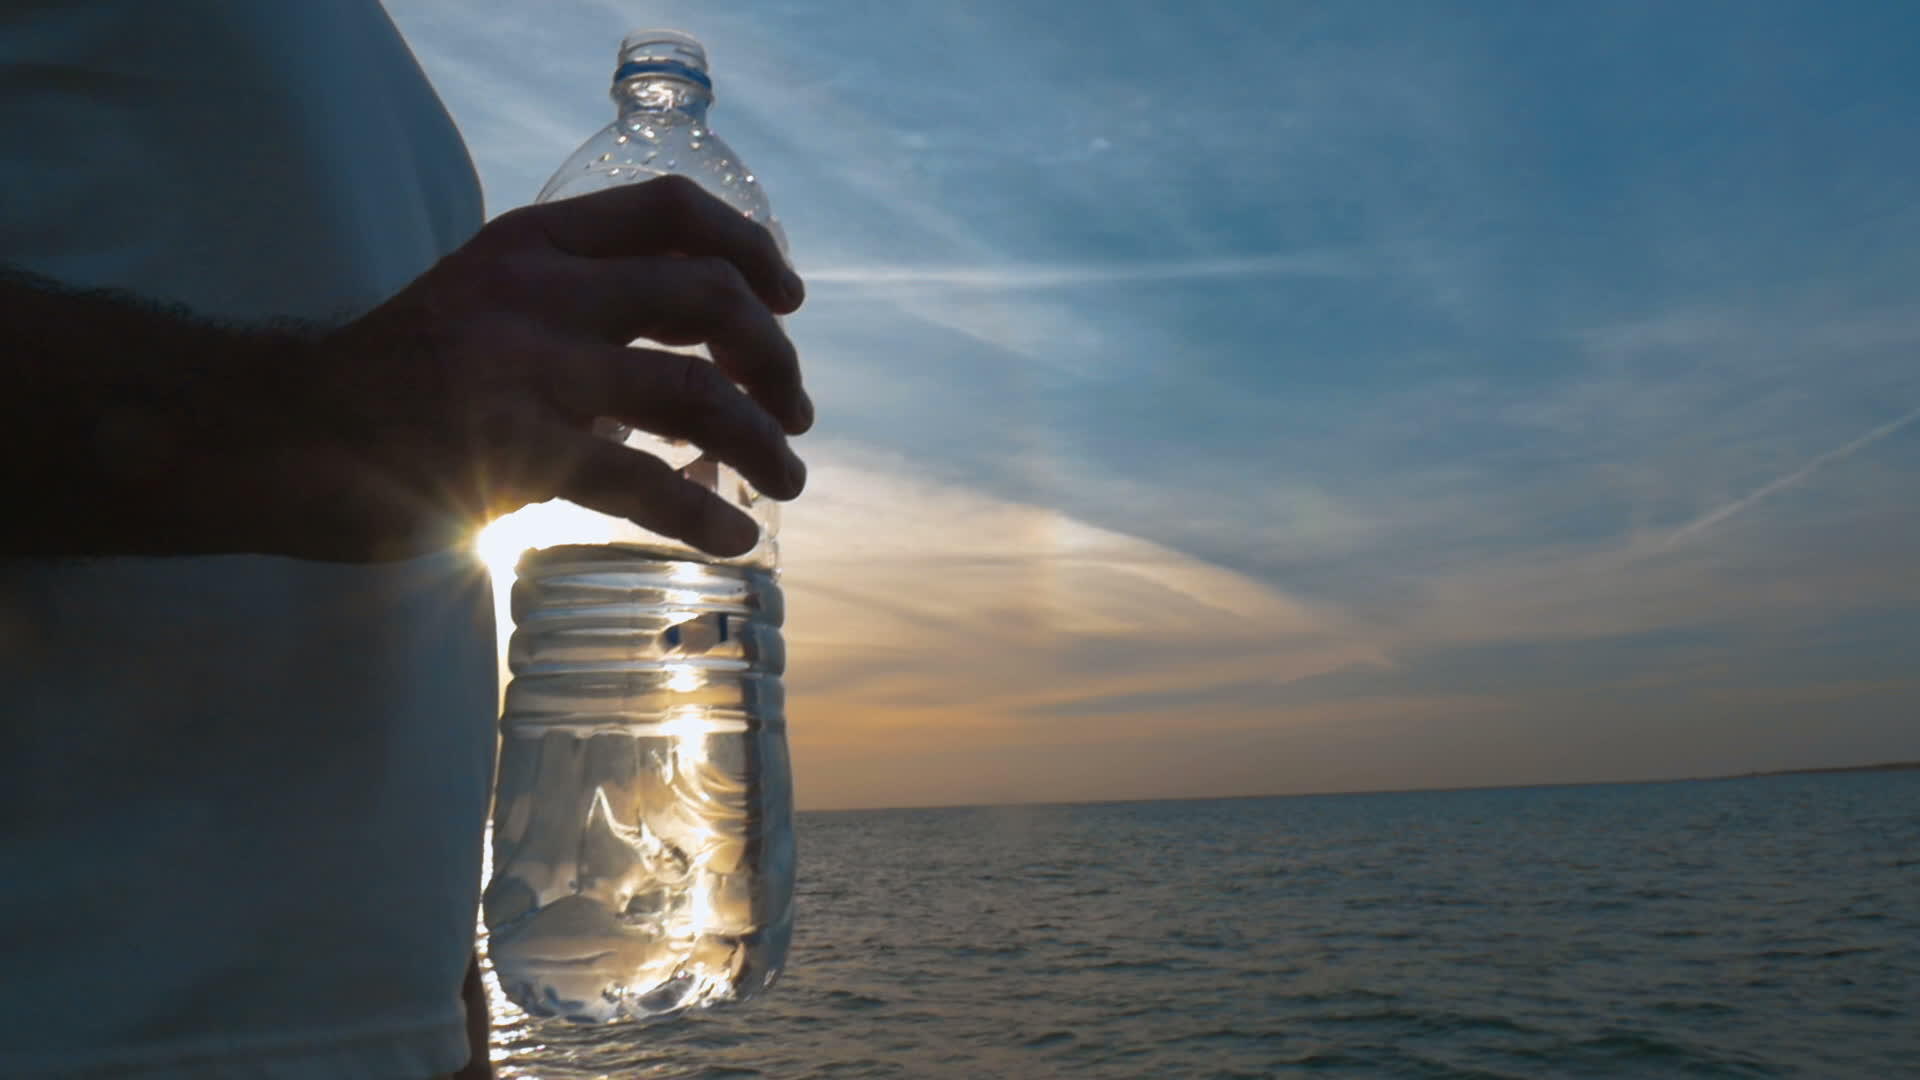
(663,67)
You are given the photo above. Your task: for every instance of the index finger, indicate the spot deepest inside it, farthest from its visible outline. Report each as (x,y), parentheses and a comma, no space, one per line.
(670,215)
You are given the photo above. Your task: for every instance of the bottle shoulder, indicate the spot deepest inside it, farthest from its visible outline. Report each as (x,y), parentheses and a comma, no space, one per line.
(631,152)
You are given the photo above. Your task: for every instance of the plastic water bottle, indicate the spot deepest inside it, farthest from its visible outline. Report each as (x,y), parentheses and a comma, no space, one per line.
(643,824)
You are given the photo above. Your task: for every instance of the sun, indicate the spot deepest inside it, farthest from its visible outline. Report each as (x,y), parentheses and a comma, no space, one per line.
(499,544)
(539,525)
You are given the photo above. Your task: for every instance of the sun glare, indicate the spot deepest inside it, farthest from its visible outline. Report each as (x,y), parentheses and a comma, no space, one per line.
(500,543)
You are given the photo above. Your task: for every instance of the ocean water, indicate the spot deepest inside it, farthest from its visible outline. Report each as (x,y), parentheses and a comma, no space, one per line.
(1747,928)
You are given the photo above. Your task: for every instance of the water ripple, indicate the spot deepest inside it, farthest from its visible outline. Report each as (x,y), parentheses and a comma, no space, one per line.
(1752,929)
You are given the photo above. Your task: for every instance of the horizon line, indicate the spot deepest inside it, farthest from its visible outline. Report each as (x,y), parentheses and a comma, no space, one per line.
(1884,766)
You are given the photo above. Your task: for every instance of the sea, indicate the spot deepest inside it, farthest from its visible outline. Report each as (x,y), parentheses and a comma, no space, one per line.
(1741,928)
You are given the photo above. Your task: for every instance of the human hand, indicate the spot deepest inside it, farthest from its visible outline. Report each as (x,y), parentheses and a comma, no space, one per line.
(473,391)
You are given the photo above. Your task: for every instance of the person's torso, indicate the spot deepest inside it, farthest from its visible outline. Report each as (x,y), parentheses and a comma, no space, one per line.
(243,797)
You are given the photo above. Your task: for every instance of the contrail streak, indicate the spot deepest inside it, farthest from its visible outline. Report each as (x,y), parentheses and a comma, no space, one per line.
(1715,517)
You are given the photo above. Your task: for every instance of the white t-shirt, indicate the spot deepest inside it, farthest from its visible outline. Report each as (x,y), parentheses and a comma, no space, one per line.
(241,798)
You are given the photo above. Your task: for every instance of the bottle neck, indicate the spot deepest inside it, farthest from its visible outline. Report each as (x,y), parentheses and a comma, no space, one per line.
(662,99)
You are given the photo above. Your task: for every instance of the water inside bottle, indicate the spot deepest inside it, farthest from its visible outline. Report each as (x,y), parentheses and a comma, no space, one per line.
(643,840)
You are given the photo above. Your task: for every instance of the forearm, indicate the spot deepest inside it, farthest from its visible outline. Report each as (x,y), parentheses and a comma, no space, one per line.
(130,428)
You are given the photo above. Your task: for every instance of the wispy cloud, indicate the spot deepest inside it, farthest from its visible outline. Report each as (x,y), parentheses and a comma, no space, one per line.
(918,601)
(1013,277)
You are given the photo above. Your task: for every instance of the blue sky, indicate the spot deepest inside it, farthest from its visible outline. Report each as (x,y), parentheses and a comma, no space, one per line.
(1224,398)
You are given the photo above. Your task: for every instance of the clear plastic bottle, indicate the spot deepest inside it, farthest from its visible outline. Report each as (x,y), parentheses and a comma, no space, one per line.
(643,825)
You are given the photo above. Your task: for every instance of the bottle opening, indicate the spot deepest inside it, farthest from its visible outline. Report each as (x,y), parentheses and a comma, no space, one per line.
(663,53)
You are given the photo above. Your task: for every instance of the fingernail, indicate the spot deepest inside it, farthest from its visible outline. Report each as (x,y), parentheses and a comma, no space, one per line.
(793,287)
(796,473)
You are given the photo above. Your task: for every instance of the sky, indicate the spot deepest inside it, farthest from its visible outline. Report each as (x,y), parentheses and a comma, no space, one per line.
(1227,398)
